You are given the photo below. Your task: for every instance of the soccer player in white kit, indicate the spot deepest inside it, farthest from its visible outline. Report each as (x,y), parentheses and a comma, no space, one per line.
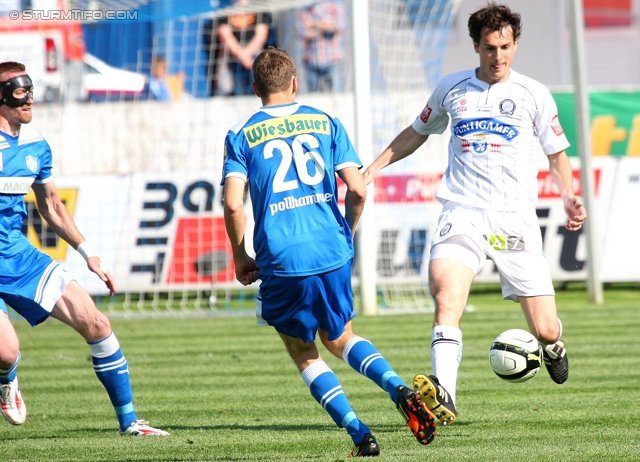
(34,285)
(489,191)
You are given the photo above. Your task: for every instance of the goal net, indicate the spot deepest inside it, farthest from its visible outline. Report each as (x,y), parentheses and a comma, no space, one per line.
(139,164)
(408,40)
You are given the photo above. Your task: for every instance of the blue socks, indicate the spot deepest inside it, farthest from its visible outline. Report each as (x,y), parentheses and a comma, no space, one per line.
(8,375)
(111,368)
(327,391)
(362,356)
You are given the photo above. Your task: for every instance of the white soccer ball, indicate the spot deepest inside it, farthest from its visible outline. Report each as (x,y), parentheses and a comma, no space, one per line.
(515,355)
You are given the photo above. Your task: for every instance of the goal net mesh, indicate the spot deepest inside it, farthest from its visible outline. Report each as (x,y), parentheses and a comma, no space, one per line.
(141,175)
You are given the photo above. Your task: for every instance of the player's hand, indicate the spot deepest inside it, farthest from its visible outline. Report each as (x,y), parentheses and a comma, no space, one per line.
(95,264)
(576,213)
(246,271)
(367,176)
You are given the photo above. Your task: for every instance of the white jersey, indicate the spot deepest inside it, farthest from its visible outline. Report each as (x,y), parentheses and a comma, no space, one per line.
(493,148)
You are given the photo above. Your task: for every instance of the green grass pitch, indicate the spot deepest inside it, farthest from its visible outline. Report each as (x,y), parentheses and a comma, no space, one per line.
(227,391)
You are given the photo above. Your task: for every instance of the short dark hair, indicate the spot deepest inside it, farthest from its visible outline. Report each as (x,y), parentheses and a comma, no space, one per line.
(158,60)
(11,66)
(494,18)
(272,71)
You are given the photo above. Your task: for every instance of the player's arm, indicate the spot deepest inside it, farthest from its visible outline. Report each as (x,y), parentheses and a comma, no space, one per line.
(355,197)
(562,174)
(259,39)
(57,216)
(403,145)
(235,222)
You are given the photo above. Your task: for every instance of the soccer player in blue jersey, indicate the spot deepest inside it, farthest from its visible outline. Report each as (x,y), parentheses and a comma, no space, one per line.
(289,155)
(32,283)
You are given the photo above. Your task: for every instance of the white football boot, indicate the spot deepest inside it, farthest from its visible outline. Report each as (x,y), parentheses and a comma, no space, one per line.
(11,403)
(142,428)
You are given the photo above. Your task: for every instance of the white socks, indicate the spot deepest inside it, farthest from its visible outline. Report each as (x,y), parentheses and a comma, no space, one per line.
(446,353)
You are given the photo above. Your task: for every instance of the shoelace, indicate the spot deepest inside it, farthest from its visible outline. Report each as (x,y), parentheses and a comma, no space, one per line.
(140,422)
(7,395)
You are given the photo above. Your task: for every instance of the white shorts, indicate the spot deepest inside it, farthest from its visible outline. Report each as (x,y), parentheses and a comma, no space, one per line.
(512,240)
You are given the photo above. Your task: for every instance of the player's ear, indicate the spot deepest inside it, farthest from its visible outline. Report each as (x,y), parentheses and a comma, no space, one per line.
(255,89)
(294,85)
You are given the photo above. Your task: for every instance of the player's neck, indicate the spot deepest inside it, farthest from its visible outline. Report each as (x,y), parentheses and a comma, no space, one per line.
(9,129)
(279,99)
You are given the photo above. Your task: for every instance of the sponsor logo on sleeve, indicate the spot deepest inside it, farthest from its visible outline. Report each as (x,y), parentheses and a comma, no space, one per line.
(424,115)
(555,126)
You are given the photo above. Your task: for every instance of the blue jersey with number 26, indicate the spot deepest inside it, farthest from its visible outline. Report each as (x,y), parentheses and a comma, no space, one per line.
(289,155)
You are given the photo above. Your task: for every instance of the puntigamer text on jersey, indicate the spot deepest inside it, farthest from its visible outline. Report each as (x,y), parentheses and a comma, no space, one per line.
(485,125)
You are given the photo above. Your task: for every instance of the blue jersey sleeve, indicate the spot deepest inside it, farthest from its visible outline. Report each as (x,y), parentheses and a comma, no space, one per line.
(235,163)
(344,155)
(45,164)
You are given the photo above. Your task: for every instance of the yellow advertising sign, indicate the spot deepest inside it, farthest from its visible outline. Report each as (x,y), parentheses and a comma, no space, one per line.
(38,231)
(615,122)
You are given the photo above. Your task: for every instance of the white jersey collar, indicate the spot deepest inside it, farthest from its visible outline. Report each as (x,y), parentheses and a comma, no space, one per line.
(281,110)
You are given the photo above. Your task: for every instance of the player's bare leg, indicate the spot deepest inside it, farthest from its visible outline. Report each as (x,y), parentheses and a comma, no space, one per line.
(327,391)
(12,406)
(336,347)
(449,284)
(9,342)
(76,309)
(542,317)
(365,359)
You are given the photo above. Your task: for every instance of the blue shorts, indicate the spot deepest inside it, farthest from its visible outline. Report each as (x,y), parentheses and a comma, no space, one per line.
(298,306)
(31,283)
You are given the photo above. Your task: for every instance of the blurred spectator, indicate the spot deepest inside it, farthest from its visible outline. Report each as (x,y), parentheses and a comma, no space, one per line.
(158,87)
(214,55)
(320,26)
(242,37)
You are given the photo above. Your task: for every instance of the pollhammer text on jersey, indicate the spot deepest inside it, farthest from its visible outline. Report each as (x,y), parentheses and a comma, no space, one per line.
(291,202)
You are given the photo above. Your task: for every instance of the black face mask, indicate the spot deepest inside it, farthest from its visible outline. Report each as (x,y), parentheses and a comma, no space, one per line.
(9,86)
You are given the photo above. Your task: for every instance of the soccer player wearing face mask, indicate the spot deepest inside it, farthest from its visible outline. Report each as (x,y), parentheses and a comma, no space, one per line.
(34,285)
